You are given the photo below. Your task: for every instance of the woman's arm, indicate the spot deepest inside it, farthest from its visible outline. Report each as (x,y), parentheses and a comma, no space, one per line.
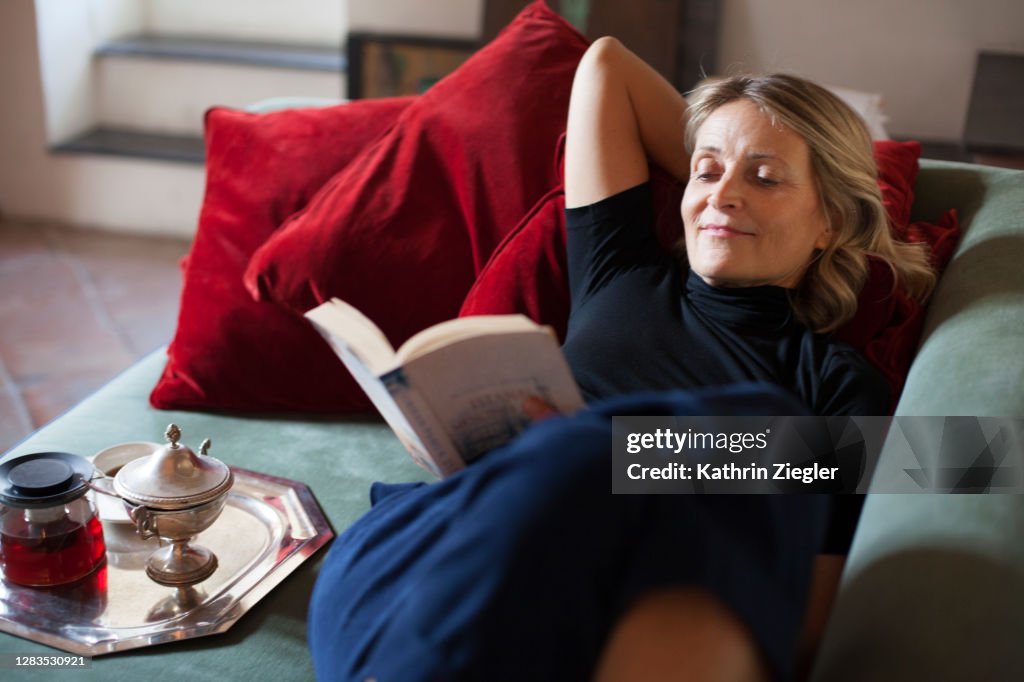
(828,568)
(621,112)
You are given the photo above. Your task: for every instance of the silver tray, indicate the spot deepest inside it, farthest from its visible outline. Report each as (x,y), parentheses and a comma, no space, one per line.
(269,526)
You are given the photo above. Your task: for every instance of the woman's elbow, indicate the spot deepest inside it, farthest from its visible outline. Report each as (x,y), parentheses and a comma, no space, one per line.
(601,55)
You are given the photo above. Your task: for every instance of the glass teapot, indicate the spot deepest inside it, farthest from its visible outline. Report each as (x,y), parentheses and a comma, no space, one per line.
(49,531)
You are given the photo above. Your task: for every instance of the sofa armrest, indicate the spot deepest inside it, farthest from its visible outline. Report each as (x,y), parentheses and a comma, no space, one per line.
(934,584)
(971,358)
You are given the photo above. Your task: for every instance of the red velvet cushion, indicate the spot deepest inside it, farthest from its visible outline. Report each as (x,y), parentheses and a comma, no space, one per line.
(404,230)
(230,352)
(897,173)
(888,324)
(527,272)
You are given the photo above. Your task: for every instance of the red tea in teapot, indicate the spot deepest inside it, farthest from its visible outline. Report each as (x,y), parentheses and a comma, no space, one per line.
(59,552)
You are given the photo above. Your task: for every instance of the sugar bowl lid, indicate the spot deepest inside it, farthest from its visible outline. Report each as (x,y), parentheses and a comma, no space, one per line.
(43,479)
(173,477)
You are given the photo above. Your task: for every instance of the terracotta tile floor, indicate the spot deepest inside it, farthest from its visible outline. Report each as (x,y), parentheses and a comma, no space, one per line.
(76,308)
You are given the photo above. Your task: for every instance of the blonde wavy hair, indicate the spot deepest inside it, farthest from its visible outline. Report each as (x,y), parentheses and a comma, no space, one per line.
(842,156)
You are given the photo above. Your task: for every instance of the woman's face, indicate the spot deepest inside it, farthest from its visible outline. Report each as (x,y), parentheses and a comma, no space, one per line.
(751,207)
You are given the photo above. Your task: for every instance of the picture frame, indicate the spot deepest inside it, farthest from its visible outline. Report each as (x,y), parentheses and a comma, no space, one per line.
(391,65)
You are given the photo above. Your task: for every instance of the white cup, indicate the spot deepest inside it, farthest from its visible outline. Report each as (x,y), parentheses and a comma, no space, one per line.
(109,461)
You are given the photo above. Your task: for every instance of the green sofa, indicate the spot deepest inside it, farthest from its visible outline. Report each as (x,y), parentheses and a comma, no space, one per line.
(934,585)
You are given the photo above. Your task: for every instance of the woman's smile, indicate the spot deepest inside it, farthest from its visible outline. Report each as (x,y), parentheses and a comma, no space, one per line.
(724,231)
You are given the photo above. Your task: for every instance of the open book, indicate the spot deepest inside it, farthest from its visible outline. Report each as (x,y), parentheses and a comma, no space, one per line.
(455,390)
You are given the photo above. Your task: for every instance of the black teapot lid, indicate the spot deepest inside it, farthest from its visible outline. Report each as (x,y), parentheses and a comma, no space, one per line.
(43,479)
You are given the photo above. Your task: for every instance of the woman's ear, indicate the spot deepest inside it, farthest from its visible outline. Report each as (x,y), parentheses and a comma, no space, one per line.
(827,234)
(824,237)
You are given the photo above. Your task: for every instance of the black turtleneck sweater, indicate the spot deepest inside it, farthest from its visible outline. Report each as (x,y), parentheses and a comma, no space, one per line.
(641,321)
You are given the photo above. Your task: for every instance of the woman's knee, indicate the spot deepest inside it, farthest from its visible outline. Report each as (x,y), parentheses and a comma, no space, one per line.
(680,634)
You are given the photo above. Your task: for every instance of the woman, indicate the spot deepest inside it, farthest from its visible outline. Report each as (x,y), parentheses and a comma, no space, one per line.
(783,193)
(524,566)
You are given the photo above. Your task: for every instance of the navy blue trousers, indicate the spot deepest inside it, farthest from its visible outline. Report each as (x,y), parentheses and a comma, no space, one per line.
(518,567)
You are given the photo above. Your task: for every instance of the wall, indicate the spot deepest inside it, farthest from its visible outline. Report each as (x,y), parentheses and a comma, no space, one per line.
(68,34)
(313,22)
(22,119)
(919,54)
(76,189)
(458,18)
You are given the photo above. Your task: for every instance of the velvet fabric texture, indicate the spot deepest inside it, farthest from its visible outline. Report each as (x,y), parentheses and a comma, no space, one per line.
(410,201)
(403,232)
(526,274)
(230,352)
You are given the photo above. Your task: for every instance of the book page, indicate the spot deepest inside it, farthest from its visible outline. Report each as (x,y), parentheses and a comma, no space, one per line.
(476,387)
(448,332)
(381,397)
(377,393)
(356,331)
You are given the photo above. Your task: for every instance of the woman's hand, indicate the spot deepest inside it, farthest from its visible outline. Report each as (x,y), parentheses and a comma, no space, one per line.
(538,409)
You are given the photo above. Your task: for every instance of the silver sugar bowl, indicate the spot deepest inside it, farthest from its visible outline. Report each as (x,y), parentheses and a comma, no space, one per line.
(175,494)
